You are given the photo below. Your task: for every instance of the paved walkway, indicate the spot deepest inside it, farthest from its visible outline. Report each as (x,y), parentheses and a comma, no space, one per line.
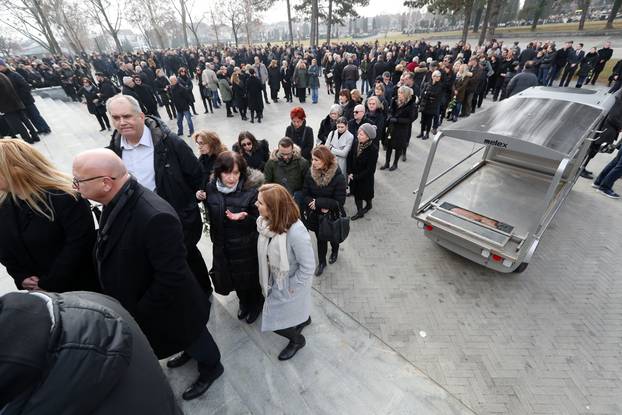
(543,342)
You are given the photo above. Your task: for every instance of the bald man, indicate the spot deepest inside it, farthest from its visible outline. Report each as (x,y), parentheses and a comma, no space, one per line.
(141,261)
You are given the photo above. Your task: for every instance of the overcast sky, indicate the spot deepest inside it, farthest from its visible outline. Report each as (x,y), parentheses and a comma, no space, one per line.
(278,12)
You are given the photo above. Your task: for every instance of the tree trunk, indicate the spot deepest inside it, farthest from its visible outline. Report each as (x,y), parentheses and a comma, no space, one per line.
(614,11)
(468,10)
(585,8)
(537,14)
(289,23)
(109,28)
(314,23)
(184,24)
(494,19)
(49,35)
(234,30)
(479,6)
(328,23)
(482,35)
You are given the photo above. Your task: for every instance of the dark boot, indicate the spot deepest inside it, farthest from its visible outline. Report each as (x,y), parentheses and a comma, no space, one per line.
(404,155)
(301,326)
(202,384)
(179,360)
(320,269)
(367,207)
(333,257)
(292,348)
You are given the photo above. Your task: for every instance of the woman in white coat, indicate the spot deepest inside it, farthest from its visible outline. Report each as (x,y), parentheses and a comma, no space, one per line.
(286,267)
(339,142)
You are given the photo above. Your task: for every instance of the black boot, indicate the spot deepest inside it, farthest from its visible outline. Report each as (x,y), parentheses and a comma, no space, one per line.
(242,313)
(367,207)
(292,348)
(333,257)
(404,155)
(179,360)
(253,315)
(359,215)
(301,326)
(320,269)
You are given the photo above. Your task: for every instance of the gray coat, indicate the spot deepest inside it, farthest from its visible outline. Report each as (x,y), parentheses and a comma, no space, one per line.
(292,305)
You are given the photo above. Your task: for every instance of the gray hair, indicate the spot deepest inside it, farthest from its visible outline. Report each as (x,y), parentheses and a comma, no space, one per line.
(127,98)
(406,91)
(336,108)
(379,103)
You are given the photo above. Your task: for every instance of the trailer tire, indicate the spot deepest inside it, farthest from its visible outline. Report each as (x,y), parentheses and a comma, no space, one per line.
(522,267)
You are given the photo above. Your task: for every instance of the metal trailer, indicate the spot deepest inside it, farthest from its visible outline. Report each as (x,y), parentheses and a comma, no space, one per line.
(532,148)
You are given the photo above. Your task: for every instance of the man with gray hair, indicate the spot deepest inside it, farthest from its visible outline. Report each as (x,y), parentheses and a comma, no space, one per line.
(129,89)
(164,164)
(358,119)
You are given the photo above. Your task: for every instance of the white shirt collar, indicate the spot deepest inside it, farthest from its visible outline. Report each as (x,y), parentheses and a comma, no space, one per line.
(145,140)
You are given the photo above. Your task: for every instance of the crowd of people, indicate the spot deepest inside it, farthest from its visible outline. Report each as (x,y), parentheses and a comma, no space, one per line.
(260,204)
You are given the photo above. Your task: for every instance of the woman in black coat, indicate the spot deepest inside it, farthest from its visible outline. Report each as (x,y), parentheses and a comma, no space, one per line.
(274,80)
(286,74)
(48,232)
(255,99)
(361,169)
(299,132)
(94,103)
(185,80)
(329,123)
(402,114)
(376,115)
(430,104)
(163,87)
(256,153)
(324,192)
(231,197)
(240,100)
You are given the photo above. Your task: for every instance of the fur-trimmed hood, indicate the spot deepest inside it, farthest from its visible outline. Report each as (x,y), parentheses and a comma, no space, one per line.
(323,179)
(296,154)
(420,69)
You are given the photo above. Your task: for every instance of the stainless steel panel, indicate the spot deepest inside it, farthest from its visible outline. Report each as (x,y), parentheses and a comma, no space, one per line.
(554,124)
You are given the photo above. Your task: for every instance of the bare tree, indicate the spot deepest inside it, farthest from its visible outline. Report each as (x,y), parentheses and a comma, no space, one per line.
(70,21)
(612,14)
(585,8)
(185,10)
(8,45)
(33,19)
(155,15)
(289,22)
(233,13)
(252,8)
(109,23)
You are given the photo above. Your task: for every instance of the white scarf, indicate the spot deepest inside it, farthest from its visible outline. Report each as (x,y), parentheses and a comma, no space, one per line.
(272,253)
(222,188)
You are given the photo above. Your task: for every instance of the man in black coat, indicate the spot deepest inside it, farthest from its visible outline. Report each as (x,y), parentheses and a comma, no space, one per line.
(141,261)
(146,95)
(13,109)
(170,169)
(23,91)
(77,353)
(337,75)
(604,55)
(574,57)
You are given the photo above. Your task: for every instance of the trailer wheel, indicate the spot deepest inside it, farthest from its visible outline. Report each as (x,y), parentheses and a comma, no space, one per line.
(522,267)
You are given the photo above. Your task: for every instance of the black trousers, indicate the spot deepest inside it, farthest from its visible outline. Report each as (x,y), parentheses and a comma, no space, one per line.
(359,203)
(398,153)
(426,123)
(609,135)
(287,88)
(301,93)
(170,110)
(102,118)
(19,123)
(274,93)
(337,90)
(292,334)
(265,92)
(205,351)
(258,114)
(322,248)
(251,298)
(567,74)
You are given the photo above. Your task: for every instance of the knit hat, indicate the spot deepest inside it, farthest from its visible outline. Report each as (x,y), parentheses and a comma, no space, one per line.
(369,130)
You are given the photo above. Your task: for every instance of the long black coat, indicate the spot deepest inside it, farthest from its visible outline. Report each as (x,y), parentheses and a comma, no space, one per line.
(90,96)
(141,260)
(10,101)
(363,168)
(234,243)
(329,192)
(178,175)
(274,78)
(21,87)
(400,123)
(430,98)
(253,90)
(57,252)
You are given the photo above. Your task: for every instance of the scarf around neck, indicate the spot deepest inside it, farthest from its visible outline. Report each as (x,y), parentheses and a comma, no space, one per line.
(222,188)
(272,255)
(362,146)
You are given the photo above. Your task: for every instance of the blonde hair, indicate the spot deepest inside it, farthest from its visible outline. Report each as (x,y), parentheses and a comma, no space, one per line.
(30,176)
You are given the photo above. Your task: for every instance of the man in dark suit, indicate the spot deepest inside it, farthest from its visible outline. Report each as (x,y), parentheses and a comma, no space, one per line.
(141,261)
(575,56)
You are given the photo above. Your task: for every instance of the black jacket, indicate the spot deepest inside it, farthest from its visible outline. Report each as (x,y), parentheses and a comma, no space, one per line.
(258,157)
(95,360)
(326,126)
(253,91)
(274,78)
(132,92)
(107,89)
(234,243)
(21,87)
(57,252)
(329,192)
(379,119)
(400,123)
(10,101)
(362,168)
(302,137)
(180,97)
(178,174)
(91,96)
(430,98)
(145,92)
(141,260)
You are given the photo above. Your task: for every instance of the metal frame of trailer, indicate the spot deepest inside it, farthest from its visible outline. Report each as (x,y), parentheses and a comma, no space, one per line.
(532,146)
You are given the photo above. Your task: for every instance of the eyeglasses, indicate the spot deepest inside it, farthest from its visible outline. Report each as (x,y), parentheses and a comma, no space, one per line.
(201,144)
(76,182)
(357,112)
(247,144)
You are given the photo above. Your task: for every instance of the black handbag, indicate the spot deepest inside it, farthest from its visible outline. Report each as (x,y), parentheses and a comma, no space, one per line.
(333,227)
